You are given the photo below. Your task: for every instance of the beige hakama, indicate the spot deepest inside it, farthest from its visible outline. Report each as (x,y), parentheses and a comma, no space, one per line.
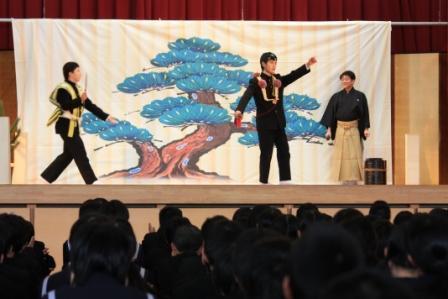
(347,155)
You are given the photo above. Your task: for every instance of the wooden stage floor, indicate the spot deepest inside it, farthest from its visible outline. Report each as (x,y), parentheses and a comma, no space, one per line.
(224,194)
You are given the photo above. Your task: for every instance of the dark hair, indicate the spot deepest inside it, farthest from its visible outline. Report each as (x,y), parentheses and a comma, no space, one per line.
(398,247)
(219,240)
(93,206)
(439,212)
(292,226)
(349,74)
(5,236)
(366,284)
(262,266)
(241,216)
(323,253)
(21,232)
(187,238)
(306,219)
(265,57)
(380,209)
(255,214)
(80,223)
(346,214)
(270,218)
(117,209)
(173,225)
(324,218)
(428,244)
(383,230)
(210,222)
(167,213)
(307,208)
(362,229)
(69,67)
(102,245)
(402,217)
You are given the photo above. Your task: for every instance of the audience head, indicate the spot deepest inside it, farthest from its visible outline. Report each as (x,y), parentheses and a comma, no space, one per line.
(102,245)
(255,214)
(241,216)
(261,265)
(365,284)
(187,239)
(217,253)
(167,213)
(439,212)
(402,217)
(117,209)
(324,252)
(21,233)
(362,229)
(428,244)
(93,206)
(5,232)
(380,209)
(345,214)
(308,208)
(397,254)
(172,226)
(382,230)
(292,226)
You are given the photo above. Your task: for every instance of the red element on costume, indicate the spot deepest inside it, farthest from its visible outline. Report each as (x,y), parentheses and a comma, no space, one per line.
(262,83)
(277,83)
(255,75)
(237,122)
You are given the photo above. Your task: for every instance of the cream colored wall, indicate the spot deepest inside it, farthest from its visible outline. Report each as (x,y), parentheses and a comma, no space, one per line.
(417,112)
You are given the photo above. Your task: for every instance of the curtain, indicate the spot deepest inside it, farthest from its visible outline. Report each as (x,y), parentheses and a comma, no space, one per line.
(404,39)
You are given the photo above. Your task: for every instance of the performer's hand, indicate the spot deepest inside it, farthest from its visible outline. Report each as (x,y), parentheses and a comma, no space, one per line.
(367,133)
(311,61)
(112,120)
(238,114)
(83,97)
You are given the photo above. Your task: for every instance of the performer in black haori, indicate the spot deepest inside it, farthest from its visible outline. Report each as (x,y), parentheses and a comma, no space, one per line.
(347,120)
(267,90)
(70,101)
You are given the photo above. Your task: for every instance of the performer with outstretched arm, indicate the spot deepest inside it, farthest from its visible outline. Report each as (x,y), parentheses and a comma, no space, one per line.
(70,101)
(267,90)
(347,120)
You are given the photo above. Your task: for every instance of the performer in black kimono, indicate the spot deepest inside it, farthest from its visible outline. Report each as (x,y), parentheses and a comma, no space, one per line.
(267,90)
(347,120)
(70,101)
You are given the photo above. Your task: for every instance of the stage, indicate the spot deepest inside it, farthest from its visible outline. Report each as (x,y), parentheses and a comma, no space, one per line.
(235,195)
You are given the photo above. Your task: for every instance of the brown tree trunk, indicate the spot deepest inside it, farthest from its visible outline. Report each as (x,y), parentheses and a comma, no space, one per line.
(205,97)
(150,162)
(181,157)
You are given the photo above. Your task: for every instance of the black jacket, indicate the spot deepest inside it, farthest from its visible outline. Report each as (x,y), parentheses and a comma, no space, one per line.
(270,116)
(68,104)
(99,286)
(329,119)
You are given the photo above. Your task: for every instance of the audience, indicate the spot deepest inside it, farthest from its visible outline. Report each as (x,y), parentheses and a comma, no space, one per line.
(261,253)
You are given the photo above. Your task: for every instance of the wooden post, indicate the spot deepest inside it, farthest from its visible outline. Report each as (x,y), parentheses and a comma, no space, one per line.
(32,211)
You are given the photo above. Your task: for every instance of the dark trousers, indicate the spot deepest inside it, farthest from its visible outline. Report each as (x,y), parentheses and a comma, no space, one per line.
(267,140)
(73,150)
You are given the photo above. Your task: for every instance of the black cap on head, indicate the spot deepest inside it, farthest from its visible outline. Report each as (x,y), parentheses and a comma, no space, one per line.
(265,57)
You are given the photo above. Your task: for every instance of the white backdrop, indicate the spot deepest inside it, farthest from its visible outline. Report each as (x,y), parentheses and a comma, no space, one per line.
(139,70)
